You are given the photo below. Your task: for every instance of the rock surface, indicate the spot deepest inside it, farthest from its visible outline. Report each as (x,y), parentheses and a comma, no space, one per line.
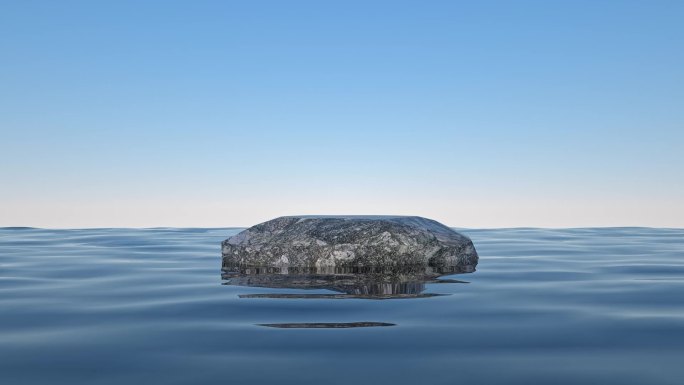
(349,241)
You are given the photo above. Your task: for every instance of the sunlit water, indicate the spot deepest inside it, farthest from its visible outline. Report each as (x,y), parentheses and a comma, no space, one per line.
(131,306)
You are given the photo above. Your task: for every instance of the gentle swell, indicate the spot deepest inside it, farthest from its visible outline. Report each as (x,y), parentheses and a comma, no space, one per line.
(116,306)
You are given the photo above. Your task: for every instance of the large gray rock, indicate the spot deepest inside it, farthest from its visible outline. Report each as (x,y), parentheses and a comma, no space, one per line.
(349,241)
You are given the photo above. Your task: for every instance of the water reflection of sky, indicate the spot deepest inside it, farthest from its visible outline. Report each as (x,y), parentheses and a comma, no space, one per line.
(564,306)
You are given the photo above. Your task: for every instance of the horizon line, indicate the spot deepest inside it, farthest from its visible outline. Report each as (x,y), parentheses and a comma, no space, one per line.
(246,227)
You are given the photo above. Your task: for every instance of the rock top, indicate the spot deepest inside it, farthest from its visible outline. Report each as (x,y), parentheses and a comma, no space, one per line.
(349,241)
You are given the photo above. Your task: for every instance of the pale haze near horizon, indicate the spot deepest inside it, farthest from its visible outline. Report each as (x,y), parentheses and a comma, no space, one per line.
(219,114)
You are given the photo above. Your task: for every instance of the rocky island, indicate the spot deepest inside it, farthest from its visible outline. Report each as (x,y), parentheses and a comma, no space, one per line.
(318,241)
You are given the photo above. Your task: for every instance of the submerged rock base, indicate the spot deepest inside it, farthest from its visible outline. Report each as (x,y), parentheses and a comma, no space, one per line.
(371,282)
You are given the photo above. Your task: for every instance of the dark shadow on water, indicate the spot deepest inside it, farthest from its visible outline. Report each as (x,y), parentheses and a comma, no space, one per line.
(327,325)
(376,282)
(339,296)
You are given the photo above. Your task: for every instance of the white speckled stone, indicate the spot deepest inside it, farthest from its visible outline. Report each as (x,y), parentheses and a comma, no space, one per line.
(349,241)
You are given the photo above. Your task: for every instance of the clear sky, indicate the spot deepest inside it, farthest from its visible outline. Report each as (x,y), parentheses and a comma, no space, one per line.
(219,113)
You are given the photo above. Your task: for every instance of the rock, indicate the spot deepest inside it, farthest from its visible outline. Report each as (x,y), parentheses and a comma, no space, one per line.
(349,241)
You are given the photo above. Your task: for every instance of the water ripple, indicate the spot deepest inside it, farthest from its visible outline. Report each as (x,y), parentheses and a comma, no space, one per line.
(562,306)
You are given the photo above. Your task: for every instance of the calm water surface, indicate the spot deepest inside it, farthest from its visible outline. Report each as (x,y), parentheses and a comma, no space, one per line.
(133,306)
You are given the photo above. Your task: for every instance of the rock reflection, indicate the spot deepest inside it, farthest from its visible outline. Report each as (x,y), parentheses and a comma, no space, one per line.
(377,282)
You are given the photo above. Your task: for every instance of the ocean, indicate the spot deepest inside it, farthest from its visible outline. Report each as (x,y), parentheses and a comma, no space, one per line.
(151,306)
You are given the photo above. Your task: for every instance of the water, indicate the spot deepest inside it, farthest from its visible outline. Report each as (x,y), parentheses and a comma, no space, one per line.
(131,306)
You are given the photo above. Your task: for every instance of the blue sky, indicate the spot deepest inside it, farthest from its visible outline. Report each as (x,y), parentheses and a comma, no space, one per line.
(477,114)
